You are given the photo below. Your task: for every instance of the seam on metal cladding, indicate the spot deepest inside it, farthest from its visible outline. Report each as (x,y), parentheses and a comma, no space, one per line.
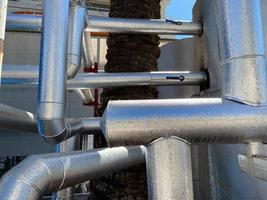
(240,57)
(245,102)
(49,172)
(168,137)
(27,182)
(55,135)
(64,175)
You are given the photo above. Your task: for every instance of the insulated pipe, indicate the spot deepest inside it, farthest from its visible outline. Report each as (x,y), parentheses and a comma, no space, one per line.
(85,95)
(103,80)
(3,11)
(88,57)
(25,74)
(118,25)
(52,77)
(66,146)
(38,174)
(16,119)
(19,120)
(24,22)
(75,34)
(100,24)
(20,74)
(242,52)
(195,120)
(169,170)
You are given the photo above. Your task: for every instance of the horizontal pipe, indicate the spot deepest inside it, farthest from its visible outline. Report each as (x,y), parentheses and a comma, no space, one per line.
(24,74)
(102,80)
(25,23)
(106,24)
(19,120)
(195,120)
(39,174)
(20,74)
(118,25)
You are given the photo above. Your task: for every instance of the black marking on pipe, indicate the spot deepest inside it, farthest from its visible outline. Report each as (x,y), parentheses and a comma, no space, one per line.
(174,22)
(180,78)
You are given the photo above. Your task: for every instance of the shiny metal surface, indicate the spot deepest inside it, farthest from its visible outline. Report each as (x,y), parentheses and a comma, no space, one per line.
(169,170)
(75,34)
(104,24)
(99,80)
(38,174)
(203,120)
(53,67)
(86,95)
(20,74)
(242,53)
(16,119)
(87,50)
(21,22)
(66,146)
(28,75)
(90,124)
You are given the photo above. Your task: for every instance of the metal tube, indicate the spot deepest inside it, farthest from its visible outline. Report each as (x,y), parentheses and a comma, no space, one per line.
(100,24)
(241,47)
(99,80)
(66,146)
(52,77)
(16,119)
(27,23)
(3,11)
(20,74)
(85,95)
(88,56)
(118,25)
(38,174)
(24,74)
(90,124)
(169,170)
(19,120)
(195,120)
(75,34)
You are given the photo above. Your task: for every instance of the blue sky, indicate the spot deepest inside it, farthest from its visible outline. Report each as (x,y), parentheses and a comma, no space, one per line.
(180,9)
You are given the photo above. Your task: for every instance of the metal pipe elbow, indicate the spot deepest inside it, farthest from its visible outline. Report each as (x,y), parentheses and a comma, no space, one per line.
(55,131)
(18,183)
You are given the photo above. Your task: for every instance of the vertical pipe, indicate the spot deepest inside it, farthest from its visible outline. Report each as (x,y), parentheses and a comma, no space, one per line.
(169,171)
(88,56)
(52,76)
(3,12)
(76,27)
(242,52)
(66,146)
(87,144)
